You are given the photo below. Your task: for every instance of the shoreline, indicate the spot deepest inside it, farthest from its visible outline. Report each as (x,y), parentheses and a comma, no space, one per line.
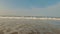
(30,18)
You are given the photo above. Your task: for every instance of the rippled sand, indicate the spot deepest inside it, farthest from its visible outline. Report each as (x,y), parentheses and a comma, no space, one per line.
(27,26)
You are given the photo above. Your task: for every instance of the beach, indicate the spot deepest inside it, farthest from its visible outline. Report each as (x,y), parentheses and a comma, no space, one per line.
(29,26)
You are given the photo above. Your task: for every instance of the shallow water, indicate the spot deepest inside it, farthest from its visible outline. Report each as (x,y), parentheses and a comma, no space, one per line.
(29,26)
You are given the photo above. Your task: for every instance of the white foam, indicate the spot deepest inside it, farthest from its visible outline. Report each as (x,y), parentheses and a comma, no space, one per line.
(29,18)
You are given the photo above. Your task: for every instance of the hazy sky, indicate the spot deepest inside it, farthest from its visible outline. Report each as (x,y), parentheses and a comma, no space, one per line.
(30,7)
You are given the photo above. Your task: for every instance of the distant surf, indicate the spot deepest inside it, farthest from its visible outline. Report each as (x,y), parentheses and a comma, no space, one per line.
(31,18)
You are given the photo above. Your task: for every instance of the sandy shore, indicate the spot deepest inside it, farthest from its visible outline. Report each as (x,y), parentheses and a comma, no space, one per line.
(27,26)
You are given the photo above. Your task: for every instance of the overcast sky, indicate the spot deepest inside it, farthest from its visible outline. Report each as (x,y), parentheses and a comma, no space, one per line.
(30,7)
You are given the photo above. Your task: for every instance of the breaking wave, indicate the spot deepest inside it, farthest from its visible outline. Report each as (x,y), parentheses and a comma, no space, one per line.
(30,18)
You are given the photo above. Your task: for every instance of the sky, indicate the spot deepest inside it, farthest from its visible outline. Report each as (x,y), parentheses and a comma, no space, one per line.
(30,7)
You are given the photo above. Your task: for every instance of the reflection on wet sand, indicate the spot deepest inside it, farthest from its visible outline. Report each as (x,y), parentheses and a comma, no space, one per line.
(27,26)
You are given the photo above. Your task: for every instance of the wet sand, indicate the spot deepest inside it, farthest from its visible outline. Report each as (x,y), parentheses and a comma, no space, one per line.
(27,26)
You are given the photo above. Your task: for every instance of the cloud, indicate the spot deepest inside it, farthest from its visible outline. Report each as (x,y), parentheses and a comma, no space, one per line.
(53,10)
